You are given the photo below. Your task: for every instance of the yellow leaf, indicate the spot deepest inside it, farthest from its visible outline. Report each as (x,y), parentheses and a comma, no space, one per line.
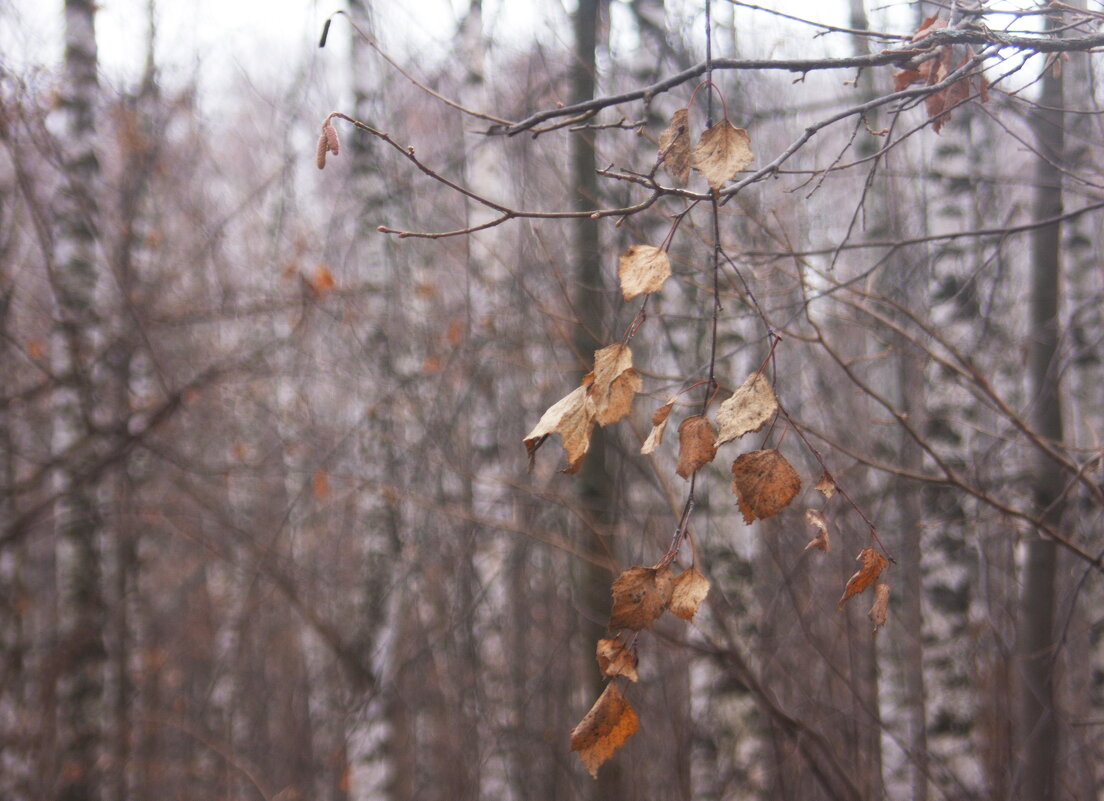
(640,595)
(687,593)
(764,482)
(572,417)
(880,609)
(872,565)
(606,727)
(642,269)
(696,448)
(722,152)
(616,659)
(674,147)
(820,541)
(659,425)
(750,408)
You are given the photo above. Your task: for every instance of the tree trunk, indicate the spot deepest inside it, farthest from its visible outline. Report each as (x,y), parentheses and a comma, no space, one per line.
(81,604)
(1038,724)
(595,484)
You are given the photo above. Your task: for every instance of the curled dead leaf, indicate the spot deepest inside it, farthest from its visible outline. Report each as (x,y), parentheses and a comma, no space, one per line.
(615,658)
(722,152)
(696,448)
(643,269)
(750,408)
(879,611)
(872,565)
(604,729)
(687,593)
(659,426)
(816,518)
(674,147)
(640,594)
(572,417)
(764,483)
(826,486)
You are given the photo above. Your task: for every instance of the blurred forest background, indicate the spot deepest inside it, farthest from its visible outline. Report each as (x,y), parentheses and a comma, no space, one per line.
(266,525)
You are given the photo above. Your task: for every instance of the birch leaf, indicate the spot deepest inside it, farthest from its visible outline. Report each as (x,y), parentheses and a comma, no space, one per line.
(750,408)
(640,595)
(616,659)
(613,383)
(572,417)
(722,152)
(642,269)
(880,610)
(659,426)
(604,729)
(674,147)
(816,518)
(689,590)
(764,483)
(826,486)
(696,448)
(872,566)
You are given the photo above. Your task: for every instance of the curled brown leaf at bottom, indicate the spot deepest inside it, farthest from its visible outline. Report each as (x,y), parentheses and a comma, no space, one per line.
(604,729)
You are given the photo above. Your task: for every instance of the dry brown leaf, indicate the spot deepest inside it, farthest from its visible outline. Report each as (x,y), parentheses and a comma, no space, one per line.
(616,659)
(689,590)
(935,69)
(659,425)
(674,147)
(640,595)
(904,78)
(826,486)
(932,23)
(750,408)
(872,565)
(816,518)
(613,383)
(880,609)
(621,393)
(604,729)
(643,269)
(696,448)
(572,417)
(722,152)
(764,483)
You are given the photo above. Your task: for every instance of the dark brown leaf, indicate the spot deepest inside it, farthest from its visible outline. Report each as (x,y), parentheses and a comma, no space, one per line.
(696,448)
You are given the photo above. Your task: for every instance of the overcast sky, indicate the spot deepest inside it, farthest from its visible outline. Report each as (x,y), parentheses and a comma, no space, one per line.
(215,34)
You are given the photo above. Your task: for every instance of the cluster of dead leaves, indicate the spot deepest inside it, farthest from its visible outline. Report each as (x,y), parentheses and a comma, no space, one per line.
(934,69)
(640,596)
(720,154)
(604,396)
